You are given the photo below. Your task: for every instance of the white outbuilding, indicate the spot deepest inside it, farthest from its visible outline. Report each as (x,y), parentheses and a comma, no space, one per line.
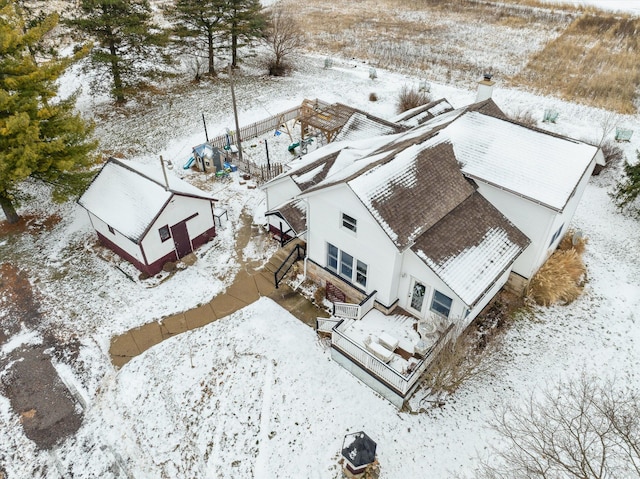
(146,217)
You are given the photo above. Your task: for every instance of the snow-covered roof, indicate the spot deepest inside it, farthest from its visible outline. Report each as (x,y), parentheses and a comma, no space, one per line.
(413,191)
(360,126)
(129,196)
(294,213)
(420,114)
(332,162)
(471,247)
(543,167)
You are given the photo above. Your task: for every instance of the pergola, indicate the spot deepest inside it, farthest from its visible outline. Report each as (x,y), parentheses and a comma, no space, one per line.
(328,119)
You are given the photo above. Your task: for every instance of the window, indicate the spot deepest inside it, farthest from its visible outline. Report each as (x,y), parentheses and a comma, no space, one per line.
(349,222)
(343,263)
(556,235)
(332,257)
(165,234)
(361,273)
(441,303)
(111,230)
(346,265)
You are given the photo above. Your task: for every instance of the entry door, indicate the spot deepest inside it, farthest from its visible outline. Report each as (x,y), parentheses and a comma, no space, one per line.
(181,239)
(418,294)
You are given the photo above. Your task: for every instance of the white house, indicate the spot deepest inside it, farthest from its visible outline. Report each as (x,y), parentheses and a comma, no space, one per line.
(144,219)
(433,221)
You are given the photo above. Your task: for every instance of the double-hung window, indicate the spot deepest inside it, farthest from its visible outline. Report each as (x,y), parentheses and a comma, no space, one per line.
(346,266)
(332,257)
(349,222)
(441,303)
(361,273)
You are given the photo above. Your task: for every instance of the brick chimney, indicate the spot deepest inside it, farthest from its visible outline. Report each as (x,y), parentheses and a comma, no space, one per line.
(485,88)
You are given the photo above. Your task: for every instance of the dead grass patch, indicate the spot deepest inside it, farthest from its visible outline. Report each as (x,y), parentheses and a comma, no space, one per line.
(561,279)
(580,54)
(594,61)
(573,240)
(524,116)
(411,97)
(30,414)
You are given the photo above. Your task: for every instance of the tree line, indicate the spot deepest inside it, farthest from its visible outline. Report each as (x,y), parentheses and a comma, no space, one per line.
(42,136)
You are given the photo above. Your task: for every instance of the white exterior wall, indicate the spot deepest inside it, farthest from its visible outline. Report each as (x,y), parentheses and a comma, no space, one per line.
(369,244)
(533,220)
(572,205)
(487,298)
(178,209)
(122,241)
(414,267)
(536,221)
(280,191)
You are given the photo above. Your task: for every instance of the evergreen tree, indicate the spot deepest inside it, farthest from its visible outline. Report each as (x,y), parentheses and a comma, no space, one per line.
(201,20)
(125,39)
(628,189)
(41,136)
(245,21)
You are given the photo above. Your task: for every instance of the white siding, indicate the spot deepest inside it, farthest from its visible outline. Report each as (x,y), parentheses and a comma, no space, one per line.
(177,210)
(537,222)
(280,191)
(414,267)
(533,220)
(122,241)
(369,244)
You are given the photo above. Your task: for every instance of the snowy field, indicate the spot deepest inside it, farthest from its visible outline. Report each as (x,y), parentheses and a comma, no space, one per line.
(256,394)
(627,6)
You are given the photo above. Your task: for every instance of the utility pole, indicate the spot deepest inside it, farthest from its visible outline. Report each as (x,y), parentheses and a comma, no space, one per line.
(206,135)
(235,115)
(164,173)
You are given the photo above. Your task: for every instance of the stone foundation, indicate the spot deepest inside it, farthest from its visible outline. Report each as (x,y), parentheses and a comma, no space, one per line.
(320,276)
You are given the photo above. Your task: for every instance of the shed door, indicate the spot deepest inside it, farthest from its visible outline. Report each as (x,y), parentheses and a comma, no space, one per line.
(181,239)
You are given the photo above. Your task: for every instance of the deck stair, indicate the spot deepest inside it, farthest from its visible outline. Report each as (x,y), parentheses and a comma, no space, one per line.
(279,265)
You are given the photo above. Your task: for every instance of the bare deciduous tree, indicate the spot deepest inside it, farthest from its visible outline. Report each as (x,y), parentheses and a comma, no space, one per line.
(583,428)
(284,38)
(608,123)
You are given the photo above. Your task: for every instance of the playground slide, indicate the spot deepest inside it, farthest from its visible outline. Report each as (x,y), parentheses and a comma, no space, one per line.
(188,164)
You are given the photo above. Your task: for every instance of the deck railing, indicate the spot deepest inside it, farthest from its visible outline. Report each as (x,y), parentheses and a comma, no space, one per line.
(346,310)
(325,325)
(355,311)
(402,384)
(297,253)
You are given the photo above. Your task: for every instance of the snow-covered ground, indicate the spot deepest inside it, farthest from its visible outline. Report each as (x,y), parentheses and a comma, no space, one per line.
(628,6)
(256,394)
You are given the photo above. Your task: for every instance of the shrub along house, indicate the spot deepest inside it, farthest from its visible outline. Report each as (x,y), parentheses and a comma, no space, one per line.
(433,221)
(143,219)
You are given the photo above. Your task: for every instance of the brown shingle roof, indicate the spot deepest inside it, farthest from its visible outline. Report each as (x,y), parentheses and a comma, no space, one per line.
(294,213)
(412,201)
(475,228)
(465,226)
(326,163)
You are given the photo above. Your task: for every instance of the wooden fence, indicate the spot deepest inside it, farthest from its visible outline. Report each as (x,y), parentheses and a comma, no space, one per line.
(258,128)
